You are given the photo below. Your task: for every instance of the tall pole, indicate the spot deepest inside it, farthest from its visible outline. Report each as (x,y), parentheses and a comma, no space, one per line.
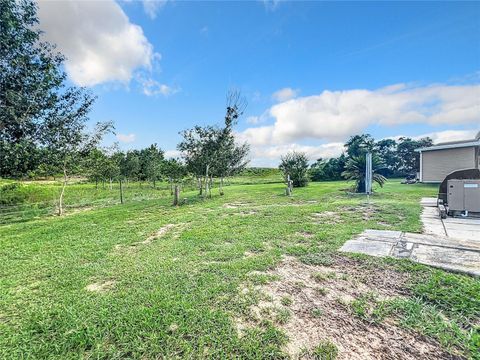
(368,173)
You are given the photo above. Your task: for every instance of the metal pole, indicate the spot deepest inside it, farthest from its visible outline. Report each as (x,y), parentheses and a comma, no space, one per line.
(368,173)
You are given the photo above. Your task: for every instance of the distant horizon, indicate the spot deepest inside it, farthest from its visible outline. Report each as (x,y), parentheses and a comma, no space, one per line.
(313,73)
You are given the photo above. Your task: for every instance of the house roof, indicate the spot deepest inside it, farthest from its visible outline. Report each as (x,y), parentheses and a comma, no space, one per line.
(453,144)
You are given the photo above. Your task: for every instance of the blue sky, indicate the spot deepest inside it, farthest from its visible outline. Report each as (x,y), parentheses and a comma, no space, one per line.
(313,73)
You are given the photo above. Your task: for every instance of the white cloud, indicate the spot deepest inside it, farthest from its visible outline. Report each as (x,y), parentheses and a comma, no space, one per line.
(151,7)
(151,87)
(253,119)
(126,138)
(172,154)
(449,135)
(313,152)
(98,39)
(284,94)
(335,115)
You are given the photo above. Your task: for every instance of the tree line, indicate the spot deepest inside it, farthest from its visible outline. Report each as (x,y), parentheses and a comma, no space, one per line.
(393,158)
(45,130)
(390,158)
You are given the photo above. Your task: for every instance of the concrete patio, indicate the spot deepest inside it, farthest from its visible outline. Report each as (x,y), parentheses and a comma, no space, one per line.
(452,244)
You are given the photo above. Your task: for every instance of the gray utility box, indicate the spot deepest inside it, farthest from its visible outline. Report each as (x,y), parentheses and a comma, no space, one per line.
(463,195)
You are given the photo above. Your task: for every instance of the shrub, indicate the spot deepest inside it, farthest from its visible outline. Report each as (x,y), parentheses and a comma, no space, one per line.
(11,194)
(295,164)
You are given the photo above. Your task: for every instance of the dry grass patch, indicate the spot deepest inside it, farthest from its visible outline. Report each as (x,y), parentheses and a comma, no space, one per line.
(327,217)
(101,286)
(319,311)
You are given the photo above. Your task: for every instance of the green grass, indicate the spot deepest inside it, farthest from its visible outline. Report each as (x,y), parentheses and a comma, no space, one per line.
(178,296)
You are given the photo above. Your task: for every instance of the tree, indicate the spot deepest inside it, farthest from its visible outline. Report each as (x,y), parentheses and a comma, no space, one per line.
(387,151)
(231,158)
(212,151)
(355,170)
(295,165)
(130,166)
(31,79)
(409,159)
(95,164)
(151,160)
(65,135)
(359,145)
(175,171)
(327,170)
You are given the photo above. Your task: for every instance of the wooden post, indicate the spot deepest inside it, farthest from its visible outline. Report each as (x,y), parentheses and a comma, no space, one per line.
(176,198)
(121,192)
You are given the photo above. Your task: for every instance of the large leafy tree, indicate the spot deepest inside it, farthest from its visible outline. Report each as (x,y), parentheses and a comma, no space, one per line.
(31,78)
(151,159)
(387,151)
(409,159)
(359,145)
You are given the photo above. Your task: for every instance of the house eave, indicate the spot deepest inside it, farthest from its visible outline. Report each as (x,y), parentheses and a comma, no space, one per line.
(449,146)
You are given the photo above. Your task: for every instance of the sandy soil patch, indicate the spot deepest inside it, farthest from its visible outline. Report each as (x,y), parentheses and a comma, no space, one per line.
(234,205)
(158,234)
(101,286)
(310,303)
(326,217)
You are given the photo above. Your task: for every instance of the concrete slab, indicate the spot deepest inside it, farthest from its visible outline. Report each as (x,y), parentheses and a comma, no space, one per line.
(429,201)
(449,259)
(369,247)
(432,240)
(452,244)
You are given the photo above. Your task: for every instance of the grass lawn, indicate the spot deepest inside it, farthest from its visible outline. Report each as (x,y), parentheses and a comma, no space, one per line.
(145,280)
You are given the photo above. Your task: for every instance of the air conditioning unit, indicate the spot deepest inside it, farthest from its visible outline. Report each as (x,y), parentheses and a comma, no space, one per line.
(463,195)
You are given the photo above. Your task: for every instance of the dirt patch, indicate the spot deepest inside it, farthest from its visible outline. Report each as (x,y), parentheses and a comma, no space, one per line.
(311,304)
(326,217)
(234,205)
(159,233)
(366,211)
(78,210)
(101,286)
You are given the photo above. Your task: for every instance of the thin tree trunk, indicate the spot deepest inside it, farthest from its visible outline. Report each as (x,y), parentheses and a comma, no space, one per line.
(60,201)
(221,186)
(176,198)
(154,185)
(121,192)
(111,184)
(96,183)
(206,182)
(171,186)
(200,186)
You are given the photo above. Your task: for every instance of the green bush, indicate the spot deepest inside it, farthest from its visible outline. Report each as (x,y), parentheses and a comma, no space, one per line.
(12,194)
(295,165)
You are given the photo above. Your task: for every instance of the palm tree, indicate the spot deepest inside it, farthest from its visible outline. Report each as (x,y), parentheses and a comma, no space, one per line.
(355,170)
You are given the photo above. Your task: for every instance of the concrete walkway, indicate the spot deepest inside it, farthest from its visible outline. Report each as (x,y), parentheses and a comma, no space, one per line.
(451,245)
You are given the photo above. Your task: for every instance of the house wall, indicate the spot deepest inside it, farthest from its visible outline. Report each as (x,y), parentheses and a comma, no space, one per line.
(437,164)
